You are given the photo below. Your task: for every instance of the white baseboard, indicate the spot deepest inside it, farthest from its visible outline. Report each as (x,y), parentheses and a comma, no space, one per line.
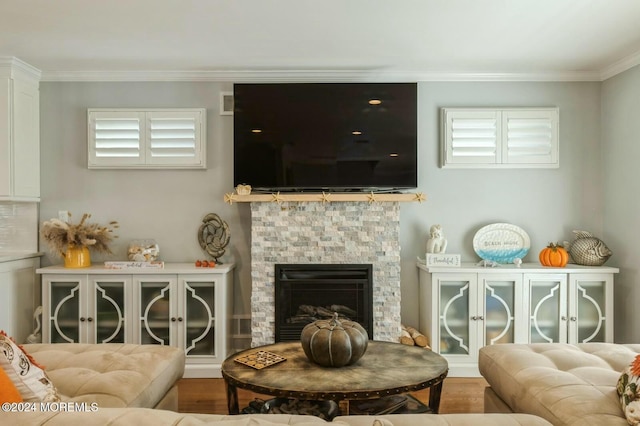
(202,371)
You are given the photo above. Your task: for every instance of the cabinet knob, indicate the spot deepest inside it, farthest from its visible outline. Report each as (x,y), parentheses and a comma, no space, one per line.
(173,319)
(89,319)
(82,319)
(481,318)
(563,318)
(179,318)
(474,318)
(573,319)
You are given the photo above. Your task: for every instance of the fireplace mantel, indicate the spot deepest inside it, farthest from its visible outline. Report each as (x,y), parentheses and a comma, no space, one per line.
(324,197)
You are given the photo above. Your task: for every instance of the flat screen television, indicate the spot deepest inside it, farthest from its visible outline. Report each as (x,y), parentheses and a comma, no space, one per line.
(325,136)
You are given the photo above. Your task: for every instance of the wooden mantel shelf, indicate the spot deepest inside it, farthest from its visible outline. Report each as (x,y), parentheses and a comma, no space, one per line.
(324,197)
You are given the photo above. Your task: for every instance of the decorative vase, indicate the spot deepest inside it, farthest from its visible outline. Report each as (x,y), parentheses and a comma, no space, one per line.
(77,257)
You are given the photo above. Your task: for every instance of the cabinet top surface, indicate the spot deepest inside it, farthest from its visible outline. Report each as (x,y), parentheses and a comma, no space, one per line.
(524,268)
(169,268)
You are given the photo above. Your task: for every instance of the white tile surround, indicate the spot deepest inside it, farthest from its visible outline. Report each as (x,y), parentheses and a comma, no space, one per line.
(18,226)
(314,232)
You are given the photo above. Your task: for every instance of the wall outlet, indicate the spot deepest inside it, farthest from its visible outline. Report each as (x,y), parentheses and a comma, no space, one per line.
(64,215)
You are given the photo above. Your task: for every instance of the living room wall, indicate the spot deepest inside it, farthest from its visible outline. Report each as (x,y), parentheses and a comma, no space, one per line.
(621,205)
(169,205)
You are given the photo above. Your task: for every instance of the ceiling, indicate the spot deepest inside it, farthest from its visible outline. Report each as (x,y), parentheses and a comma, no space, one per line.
(241,40)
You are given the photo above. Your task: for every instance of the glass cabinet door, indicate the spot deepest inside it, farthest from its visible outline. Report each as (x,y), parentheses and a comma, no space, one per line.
(156,314)
(65,305)
(588,307)
(108,309)
(500,295)
(454,315)
(547,308)
(199,325)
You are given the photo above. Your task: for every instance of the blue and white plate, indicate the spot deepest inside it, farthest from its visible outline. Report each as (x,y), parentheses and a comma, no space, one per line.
(501,242)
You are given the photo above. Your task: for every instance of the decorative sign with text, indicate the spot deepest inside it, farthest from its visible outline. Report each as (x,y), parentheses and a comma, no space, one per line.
(442,259)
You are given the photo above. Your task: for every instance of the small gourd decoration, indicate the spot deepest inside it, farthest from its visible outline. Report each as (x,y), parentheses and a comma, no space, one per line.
(334,342)
(554,255)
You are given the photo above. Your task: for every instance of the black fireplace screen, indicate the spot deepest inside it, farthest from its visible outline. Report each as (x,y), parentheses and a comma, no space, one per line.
(308,292)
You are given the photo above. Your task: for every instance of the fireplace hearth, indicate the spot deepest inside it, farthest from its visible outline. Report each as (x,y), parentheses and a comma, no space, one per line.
(305,293)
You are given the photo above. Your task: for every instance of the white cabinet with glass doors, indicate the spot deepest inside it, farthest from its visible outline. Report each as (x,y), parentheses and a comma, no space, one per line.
(570,308)
(465,308)
(85,309)
(179,305)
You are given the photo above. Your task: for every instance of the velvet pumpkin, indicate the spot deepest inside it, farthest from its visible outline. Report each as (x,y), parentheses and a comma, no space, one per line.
(334,342)
(553,255)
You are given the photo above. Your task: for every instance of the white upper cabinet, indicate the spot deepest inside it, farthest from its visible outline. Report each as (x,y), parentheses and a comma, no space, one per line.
(152,138)
(19,131)
(499,138)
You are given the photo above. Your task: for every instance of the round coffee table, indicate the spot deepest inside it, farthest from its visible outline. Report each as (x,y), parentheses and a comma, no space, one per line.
(385,369)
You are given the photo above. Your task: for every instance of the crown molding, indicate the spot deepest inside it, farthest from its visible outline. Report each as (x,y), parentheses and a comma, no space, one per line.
(620,66)
(14,67)
(214,76)
(268,76)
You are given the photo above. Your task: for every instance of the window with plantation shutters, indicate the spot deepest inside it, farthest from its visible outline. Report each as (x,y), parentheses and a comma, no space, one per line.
(499,138)
(151,138)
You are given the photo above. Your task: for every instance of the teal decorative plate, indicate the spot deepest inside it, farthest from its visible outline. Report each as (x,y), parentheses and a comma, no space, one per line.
(501,242)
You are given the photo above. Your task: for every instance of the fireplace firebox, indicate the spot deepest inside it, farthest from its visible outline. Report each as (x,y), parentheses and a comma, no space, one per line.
(308,292)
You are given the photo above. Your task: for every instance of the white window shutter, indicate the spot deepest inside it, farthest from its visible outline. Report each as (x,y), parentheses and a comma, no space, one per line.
(152,138)
(115,138)
(471,137)
(500,138)
(175,138)
(531,137)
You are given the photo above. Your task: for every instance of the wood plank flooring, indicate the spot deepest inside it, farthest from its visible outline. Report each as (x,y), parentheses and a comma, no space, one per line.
(459,395)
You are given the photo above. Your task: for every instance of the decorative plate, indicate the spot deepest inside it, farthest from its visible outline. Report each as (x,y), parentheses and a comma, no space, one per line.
(501,242)
(260,359)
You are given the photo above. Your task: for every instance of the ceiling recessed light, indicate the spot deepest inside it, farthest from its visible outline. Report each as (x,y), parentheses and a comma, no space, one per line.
(393,154)
(256,130)
(375,101)
(356,132)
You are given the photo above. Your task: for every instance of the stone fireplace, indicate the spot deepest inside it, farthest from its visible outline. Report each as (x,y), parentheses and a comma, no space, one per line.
(331,233)
(307,292)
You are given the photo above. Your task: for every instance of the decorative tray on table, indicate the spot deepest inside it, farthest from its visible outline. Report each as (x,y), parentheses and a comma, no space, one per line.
(260,359)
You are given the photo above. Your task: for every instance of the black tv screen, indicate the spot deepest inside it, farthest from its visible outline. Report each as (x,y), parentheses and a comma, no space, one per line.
(333,136)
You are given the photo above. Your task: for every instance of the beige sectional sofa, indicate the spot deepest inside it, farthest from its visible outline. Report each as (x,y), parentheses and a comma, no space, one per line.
(136,385)
(565,384)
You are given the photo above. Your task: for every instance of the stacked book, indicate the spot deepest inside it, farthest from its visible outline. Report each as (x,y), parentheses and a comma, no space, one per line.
(156,264)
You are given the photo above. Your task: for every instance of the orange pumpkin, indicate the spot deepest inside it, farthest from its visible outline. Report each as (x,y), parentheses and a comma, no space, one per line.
(553,255)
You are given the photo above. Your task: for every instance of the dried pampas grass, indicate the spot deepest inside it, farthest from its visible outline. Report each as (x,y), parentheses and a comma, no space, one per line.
(60,235)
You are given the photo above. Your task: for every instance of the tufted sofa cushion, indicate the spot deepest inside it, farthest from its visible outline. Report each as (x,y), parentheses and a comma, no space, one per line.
(111,374)
(143,417)
(565,384)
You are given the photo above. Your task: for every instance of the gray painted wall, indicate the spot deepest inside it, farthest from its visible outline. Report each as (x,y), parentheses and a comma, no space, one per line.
(621,151)
(169,205)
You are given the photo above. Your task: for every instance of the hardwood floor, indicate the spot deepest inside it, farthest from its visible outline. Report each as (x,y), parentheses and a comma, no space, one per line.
(459,395)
